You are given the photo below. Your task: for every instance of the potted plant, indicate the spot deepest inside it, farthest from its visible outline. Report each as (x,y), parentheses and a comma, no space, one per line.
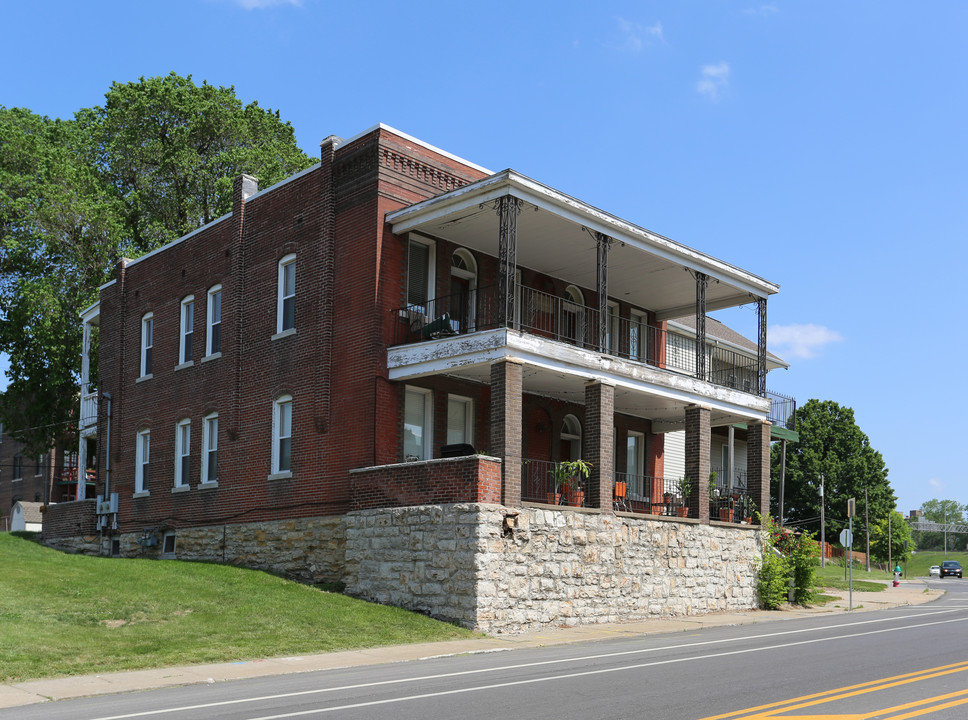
(568,476)
(684,488)
(749,510)
(726,509)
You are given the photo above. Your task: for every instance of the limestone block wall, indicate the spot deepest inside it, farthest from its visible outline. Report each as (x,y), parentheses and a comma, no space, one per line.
(306,549)
(500,570)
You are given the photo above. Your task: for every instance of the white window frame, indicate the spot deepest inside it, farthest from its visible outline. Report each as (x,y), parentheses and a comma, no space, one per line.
(427,430)
(183,453)
(636,453)
(464,406)
(147,344)
(213,321)
(430,290)
(571,433)
(186,331)
(613,340)
(281,433)
(285,263)
(469,274)
(209,448)
(142,463)
(165,552)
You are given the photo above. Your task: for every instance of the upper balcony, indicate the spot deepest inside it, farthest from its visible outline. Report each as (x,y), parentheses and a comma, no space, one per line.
(575,294)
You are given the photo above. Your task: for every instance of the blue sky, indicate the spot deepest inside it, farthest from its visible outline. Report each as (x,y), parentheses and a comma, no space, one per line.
(821,145)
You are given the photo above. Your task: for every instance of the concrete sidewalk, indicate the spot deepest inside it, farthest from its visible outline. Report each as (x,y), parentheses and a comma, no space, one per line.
(910,592)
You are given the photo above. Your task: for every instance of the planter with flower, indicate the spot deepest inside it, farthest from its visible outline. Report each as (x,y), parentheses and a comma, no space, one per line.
(684,489)
(569,476)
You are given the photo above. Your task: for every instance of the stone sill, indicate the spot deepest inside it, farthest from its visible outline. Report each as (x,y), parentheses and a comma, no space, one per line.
(720,523)
(213,356)
(284,333)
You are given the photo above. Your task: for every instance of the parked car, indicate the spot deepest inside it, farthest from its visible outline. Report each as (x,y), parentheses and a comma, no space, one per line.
(934,571)
(950,567)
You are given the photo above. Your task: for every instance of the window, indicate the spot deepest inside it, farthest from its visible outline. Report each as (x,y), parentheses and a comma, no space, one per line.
(417,430)
(573,316)
(147,343)
(142,458)
(463,291)
(286,313)
(40,465)
(420,275)
(460,420)
(570,438)
(183,448)
(18,467)
(612,338)
(213,337)
(210,449)
(635,462)
(187,329)
(168,545)
(282,436)
(638,329)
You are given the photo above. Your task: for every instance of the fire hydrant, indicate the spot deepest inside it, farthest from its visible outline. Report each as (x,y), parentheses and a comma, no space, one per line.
(897,575)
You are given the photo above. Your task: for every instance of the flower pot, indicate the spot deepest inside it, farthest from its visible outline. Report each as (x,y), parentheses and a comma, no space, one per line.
(724,514)
(554,498)
(575,498)
(682,512)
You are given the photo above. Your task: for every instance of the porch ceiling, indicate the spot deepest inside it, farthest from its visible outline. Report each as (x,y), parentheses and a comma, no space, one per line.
(556,237)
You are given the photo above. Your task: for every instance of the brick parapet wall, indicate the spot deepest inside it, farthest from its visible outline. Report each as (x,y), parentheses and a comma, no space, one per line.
(70,519)
(469,479)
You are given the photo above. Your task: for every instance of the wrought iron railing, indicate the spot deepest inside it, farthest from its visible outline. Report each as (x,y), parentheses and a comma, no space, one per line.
(731,505)
(564,320)
(783,410)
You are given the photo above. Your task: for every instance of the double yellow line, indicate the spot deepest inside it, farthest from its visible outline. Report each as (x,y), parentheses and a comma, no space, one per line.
(917,708)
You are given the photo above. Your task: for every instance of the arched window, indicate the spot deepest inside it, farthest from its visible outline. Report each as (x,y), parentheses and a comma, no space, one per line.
(572,328)
(463,291)
(570,438)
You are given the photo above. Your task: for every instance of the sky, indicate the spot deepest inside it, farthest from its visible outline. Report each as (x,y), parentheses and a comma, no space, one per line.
(820,145)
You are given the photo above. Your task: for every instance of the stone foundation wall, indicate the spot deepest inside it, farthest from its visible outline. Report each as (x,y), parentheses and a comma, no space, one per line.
(501,570)
(305,549)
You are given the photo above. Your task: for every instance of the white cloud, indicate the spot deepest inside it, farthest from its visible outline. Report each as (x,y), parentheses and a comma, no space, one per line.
(713,80)
(935,484)
(260,4)
(800,341)
(634,36)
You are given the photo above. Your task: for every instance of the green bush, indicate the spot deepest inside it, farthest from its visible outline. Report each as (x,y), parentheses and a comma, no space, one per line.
(798,554)
(772,582)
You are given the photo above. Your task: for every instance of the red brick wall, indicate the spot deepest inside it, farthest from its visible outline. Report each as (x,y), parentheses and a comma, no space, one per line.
(70,519)
(473,478)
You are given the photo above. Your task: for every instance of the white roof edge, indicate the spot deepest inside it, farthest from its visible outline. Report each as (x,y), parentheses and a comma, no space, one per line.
(91,310)
(607,222)
(178,240)
(108,284)
(416,141)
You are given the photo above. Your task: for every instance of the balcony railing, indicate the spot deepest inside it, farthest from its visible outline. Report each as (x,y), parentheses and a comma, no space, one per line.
(783,410)
(564,320)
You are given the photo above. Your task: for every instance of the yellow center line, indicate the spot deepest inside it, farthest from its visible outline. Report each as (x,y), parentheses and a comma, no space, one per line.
(772,709)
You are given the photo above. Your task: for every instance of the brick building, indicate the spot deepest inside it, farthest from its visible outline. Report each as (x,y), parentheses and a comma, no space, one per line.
(298,386)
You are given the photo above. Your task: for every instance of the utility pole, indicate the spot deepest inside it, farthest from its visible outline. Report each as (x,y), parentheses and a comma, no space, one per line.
(890,540)
(946,531)
(823,537)
(867,529)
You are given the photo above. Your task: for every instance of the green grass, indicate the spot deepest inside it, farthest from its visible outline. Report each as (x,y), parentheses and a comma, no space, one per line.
(73,614)
(919,563)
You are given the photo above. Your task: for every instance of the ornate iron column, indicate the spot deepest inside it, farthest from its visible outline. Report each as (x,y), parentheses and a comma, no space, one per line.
(702,282)
(603,242)
(761,347)
(508,208)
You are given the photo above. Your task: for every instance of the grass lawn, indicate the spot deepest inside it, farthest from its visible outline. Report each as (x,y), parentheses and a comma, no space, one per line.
(919,563)
(73,614)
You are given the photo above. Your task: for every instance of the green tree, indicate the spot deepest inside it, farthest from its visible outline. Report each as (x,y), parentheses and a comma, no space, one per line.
(901,543)
(155,162)
(832,445)
(941,511)
(59,230)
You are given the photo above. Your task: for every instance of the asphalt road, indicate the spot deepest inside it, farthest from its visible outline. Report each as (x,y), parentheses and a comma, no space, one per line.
(901,663)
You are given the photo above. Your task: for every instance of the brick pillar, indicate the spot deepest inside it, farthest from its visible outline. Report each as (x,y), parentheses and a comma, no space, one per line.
(506,422)
(598,442)
(697,460)
(758,465)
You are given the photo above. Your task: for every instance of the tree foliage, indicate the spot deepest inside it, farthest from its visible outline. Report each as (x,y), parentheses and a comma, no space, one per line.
(901,543)
(832,445)
(155,162)
(941,511)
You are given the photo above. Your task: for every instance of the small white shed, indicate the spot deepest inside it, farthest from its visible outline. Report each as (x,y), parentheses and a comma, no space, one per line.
(26,516)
